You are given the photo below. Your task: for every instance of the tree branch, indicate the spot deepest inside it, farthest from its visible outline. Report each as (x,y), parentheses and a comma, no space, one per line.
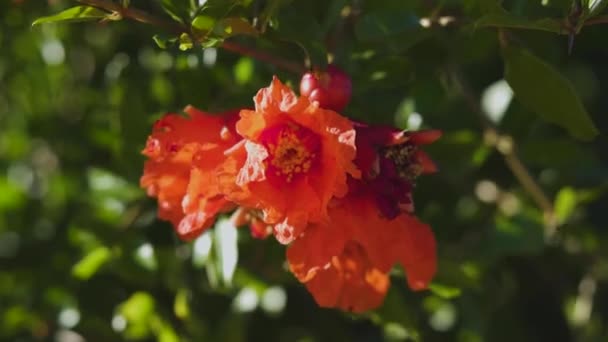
(597,20)
(508,151)
(147,18)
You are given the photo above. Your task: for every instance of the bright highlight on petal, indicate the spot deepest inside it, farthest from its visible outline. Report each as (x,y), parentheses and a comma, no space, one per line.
(292,144)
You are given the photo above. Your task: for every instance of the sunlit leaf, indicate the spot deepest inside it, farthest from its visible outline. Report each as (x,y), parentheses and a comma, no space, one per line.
(74,14)
(203,23)
(185,42)
(179,10)
(138,307)
(90,264)
(139,312)
(243,70)
(565,203)
(595,7)
(180,305)
(445,291)
(163,41)
(545,92)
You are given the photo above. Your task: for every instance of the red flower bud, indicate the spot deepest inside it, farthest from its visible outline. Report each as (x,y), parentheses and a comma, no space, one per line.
(332,88)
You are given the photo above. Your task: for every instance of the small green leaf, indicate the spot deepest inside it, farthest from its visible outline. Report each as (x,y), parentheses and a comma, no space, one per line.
(138,308)
(565,203)
(445,291)
(504,19)
(243,70)
(180,306)
(185,42)
(596,7)
(178,9)
(91,263)
(74,14)
(547,93)
(161,42)
(164,41)
(203,23)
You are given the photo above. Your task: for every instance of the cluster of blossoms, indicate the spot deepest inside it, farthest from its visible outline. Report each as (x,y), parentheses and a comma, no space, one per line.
(337,192)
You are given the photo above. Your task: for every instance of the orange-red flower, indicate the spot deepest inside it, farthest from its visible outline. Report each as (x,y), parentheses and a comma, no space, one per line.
(183,155)
(345,263)
(390,160)
(295,157)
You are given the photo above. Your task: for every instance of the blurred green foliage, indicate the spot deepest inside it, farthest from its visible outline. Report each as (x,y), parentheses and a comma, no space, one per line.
(83,257)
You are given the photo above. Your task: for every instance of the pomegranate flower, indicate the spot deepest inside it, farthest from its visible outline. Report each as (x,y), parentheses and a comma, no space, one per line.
(183,154)
(390,160)
(345,263)
(294,158)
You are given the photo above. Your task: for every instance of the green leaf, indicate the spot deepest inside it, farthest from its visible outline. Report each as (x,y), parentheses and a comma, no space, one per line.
(91,263)
(379,25)
(180,305)
(243,70)
(177,9)
(596,7)
(445,291)
(185,42)
(138,307)
(164,41)
(547,93)
(565,203)
(203,23)
(504,19)
(74,14)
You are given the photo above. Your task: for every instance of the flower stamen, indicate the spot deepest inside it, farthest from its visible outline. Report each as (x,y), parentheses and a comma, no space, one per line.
(291,152)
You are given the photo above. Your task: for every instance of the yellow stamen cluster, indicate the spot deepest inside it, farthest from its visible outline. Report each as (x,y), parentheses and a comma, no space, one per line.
(289,155)
(402,156)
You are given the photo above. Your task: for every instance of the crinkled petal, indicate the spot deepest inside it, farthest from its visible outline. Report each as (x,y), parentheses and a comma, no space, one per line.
(314,250)
(350,282)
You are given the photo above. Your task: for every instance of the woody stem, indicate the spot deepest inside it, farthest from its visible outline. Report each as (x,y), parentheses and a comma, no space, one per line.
(175,28)
(509,153)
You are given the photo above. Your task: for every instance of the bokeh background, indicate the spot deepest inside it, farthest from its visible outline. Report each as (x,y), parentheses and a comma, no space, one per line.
(83,257)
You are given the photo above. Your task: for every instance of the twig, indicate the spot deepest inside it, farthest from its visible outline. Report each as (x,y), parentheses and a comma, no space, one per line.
(265,57)
(597,20)
(134,14)
(147,18)
(508,151)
